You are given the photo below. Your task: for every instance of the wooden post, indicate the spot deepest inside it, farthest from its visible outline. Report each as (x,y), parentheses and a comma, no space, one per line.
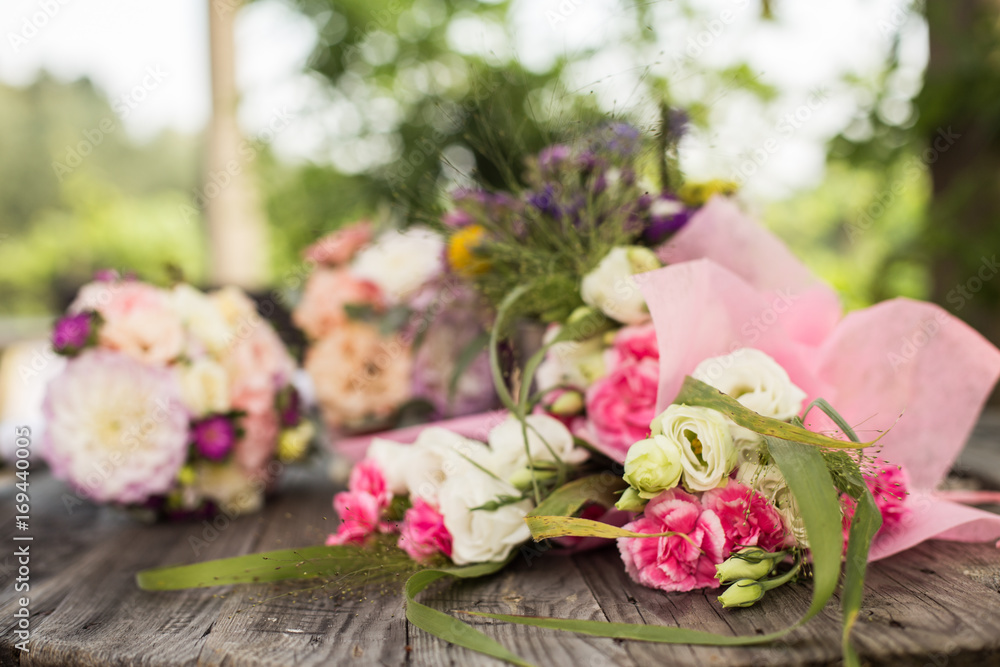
(237,231)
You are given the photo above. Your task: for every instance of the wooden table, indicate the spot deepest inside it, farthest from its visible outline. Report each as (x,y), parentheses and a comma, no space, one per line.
(937,604)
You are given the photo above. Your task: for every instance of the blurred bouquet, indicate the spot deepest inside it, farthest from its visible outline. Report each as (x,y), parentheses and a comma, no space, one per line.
(172,400)
(393,335)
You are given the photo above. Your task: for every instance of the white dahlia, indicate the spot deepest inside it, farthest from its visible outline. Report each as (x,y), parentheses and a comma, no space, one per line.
(116,429)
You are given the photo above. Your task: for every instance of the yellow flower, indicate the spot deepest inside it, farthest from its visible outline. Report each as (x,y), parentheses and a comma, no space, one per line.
(697,194)
(294,442)
(462,251)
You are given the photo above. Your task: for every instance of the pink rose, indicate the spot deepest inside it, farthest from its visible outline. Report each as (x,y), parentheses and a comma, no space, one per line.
(675,563)
(340,246)
(138,320)
(621,405)
(258,365)
(367,477)
(326,293)
(747,518)
(256,447)
(423,533)
(360,516)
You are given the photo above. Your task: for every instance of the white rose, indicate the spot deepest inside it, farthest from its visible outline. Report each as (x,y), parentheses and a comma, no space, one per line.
(547,439)
(706,444)
(480,536)
(205,387)
(571,363)
(201,316)
(770,484)
(754,379)
(611,288)
(401,262)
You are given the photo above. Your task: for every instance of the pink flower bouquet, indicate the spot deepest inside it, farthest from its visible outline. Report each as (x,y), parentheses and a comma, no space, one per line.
(172,401)
(388,329)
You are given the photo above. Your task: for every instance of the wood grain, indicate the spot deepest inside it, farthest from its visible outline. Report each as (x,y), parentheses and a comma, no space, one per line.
(937,604)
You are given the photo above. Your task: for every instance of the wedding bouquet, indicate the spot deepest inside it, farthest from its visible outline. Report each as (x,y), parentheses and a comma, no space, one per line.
(172,401)
(393,335)
(722,422)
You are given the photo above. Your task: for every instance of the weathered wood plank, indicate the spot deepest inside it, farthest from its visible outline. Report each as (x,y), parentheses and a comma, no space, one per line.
(551,585)
(267,625)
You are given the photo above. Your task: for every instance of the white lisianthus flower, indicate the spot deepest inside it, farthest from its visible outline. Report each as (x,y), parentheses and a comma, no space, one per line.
(571,363)
(754,379)
(202,317)
(653,465)
(706,444)
(548,438)
(421,468)
(768,481)
(392,458)
(611,288)
(205,387)
(400,262)
(480,536)
(116,428)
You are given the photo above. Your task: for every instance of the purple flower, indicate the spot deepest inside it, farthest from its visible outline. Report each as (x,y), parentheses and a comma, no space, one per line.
(545,201)
(621,138)
(552,157)
(214,437)
(72,332)
(666,215)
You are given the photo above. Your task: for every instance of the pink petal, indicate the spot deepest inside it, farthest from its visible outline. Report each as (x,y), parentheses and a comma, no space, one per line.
(914,362)
(722,233)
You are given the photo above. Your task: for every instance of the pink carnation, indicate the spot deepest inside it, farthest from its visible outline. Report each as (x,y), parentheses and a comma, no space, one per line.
(888,485)
(423,533)
(675,563)
(340,246)
(326,294)
(360,516)
(621,405)
(367,477)
(747,518)
(632,344)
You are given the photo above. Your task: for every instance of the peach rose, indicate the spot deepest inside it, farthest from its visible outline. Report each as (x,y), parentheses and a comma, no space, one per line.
(360,377)
(340,246)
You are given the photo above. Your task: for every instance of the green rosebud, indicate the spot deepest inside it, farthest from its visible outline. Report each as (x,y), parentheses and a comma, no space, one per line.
(653,465)
(748,563)
(744,593)
(630,501)
(568,403)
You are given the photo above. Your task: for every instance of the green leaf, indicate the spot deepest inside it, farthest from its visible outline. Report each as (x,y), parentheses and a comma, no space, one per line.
(304,563)
(503,393)
(841,423)
(468,354)
(447,627)
(568,499)
(698,393)
(867,520)
(544,527)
